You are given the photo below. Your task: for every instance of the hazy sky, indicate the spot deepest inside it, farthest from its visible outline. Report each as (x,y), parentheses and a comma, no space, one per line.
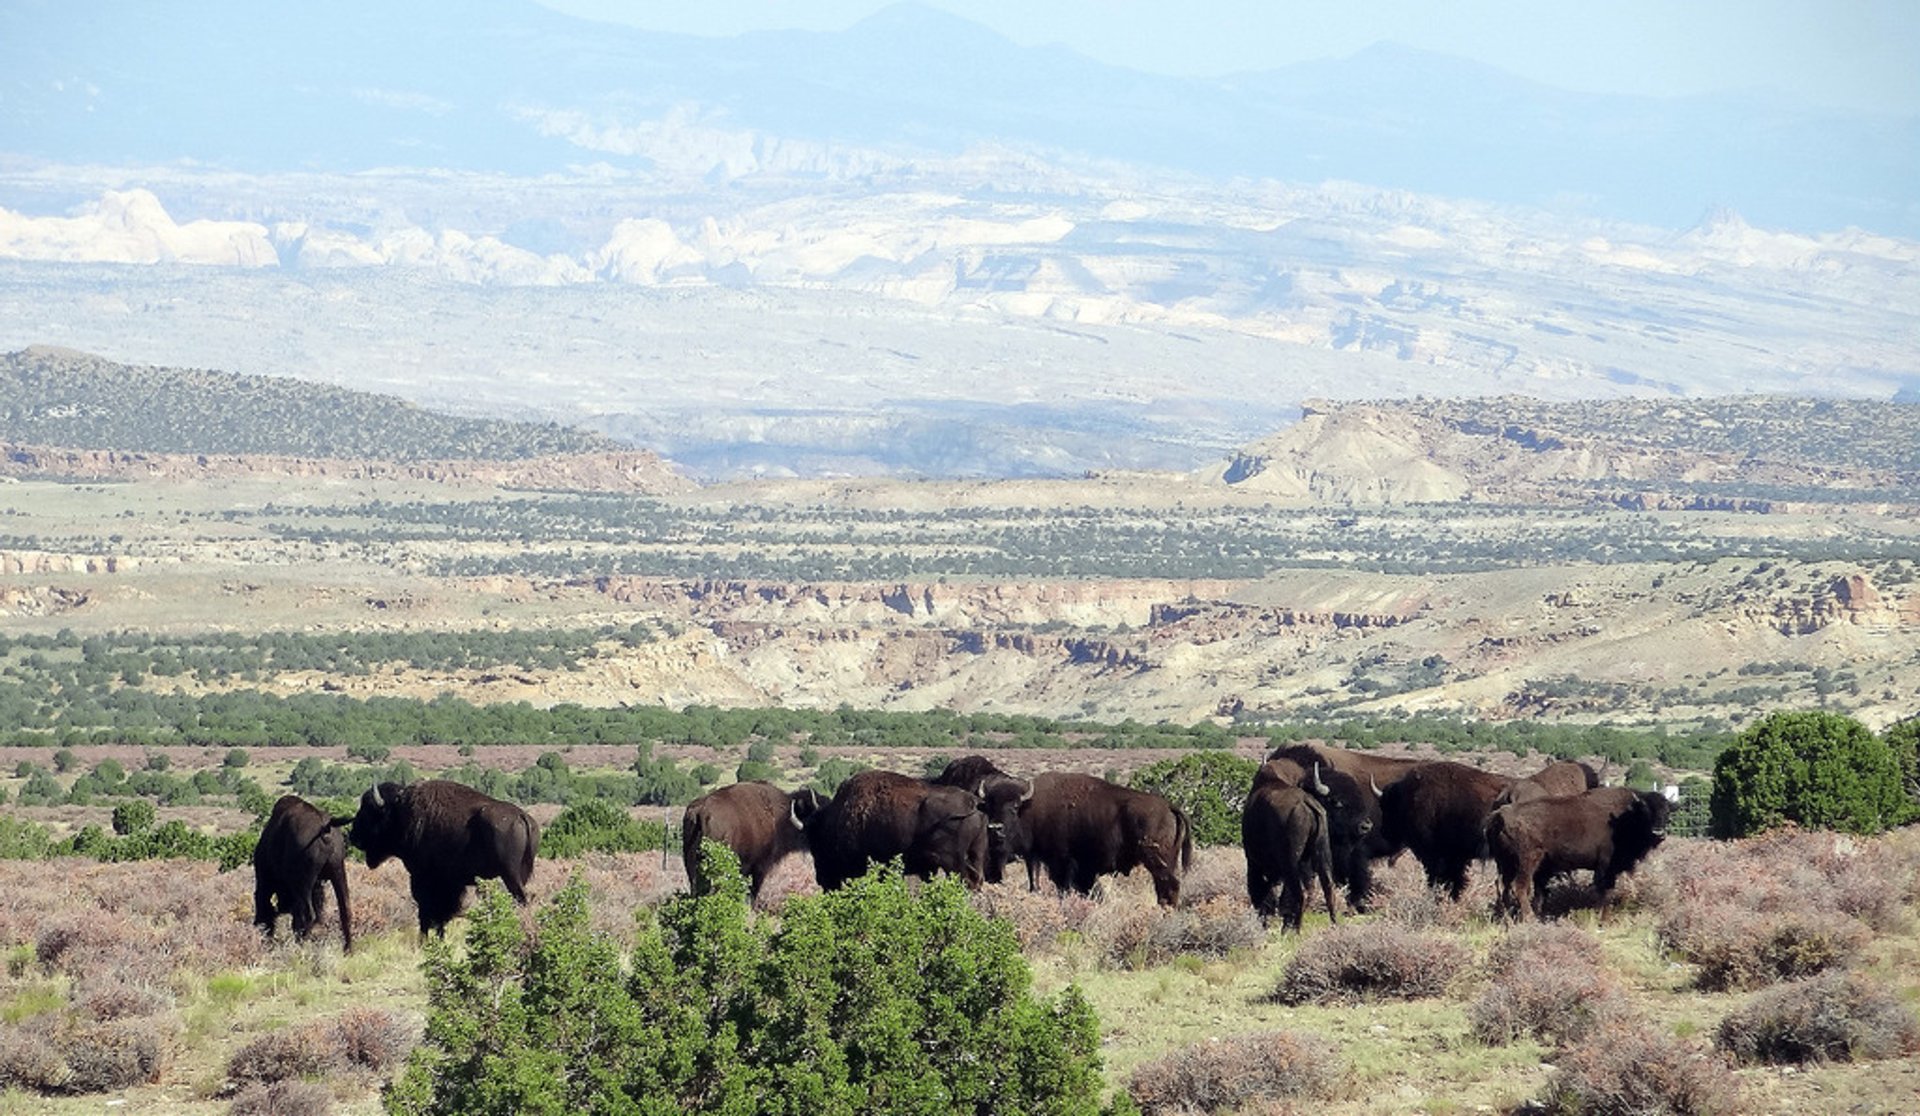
(1857,53)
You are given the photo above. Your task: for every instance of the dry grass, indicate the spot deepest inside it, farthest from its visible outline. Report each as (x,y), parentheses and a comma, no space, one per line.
(1222,1075)
(1626,1068)
(1835,1017)
(1373,960)
(165,951)
(1549,982)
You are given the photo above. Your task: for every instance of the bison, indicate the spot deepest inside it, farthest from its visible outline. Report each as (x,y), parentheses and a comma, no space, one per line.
(999,794)
(1354,812)
(1080,827)
(1286,830)
(1608,830)
(878,815)
(1555,780)
(1438,810)
(300,849)
(760,822)
(448,835)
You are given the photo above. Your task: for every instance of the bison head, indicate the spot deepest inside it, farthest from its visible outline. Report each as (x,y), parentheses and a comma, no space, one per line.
(1351,814)
(802,805)
(377,828)
(1001,797)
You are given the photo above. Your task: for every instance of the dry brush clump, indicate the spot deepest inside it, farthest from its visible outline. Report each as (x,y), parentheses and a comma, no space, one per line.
(1374,960)
(1226,1074)
(363,1041)
(1131,931)
(73,1054)
(1782,906)
(1834,1017)
(1548,981)
(1626,1068)
(1401,895)
(282,1098)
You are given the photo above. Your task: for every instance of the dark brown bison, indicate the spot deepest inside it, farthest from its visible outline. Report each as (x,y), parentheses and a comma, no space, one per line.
(1608,830)
(1438,811)
(1555,780)
(448,835)
(1287,836)
(300,849)
(1353,810)
(999,794)
(878,815)
(760,822)
(1080,827)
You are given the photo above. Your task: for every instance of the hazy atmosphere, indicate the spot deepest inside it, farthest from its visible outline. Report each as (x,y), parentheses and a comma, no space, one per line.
(1229,558)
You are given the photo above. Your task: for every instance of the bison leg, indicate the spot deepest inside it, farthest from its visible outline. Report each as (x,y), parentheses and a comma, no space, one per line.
(1293,902)
(1259,891)
(263,914)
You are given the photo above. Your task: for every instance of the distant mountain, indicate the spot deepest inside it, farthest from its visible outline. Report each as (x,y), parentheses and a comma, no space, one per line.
(60,398)
(506,85)
(1738,453)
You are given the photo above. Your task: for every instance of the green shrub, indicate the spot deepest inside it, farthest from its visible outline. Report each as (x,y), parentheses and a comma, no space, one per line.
(599,826)
(1903,739)
(870,999)
(1815,769)
(1210,786)
(133,817)
(24,840)
(236,758)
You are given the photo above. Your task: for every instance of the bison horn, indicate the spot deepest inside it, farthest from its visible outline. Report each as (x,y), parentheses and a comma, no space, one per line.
(793,815)
(1027,795)
(1374,783)
(377,801)
(1319,787)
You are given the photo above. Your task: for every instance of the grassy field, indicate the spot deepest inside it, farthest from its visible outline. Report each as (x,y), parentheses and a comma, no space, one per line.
(157,959)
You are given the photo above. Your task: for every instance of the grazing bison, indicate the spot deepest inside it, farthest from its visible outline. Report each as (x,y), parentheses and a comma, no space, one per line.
(878,815)
(300,849)
(448,835)
(1353,809)
(1438,810)
(1555,780)
(1286,830)
(1608,830)
(760,822)
(1081,827)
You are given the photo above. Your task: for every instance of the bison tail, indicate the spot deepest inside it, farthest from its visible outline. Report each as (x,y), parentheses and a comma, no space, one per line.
(533,846)
(1184,829)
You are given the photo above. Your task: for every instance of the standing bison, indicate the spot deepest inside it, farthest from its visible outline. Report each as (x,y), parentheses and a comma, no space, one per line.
(1000,795)
(1438,810)
(1080,827)
(878,815)
(300,849)
(448,835)
(1287,836)
(761,823)
(1608,830)
(1355,817)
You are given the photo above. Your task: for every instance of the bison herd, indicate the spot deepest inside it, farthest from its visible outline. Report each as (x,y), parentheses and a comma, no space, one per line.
(1314,814)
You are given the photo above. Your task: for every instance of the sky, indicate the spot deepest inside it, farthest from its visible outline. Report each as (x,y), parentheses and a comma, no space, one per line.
(1859,54)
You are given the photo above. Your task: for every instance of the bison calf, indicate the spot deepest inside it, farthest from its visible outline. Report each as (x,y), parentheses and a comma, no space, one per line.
(300,849)
(448,835)
(1608,830)
(761,823)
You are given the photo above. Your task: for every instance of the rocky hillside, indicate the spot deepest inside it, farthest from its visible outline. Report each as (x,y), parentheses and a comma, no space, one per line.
(1729,453)
(57,397)
(71,415)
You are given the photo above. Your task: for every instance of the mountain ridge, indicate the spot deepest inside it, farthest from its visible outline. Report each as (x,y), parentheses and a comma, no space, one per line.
(357,97)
